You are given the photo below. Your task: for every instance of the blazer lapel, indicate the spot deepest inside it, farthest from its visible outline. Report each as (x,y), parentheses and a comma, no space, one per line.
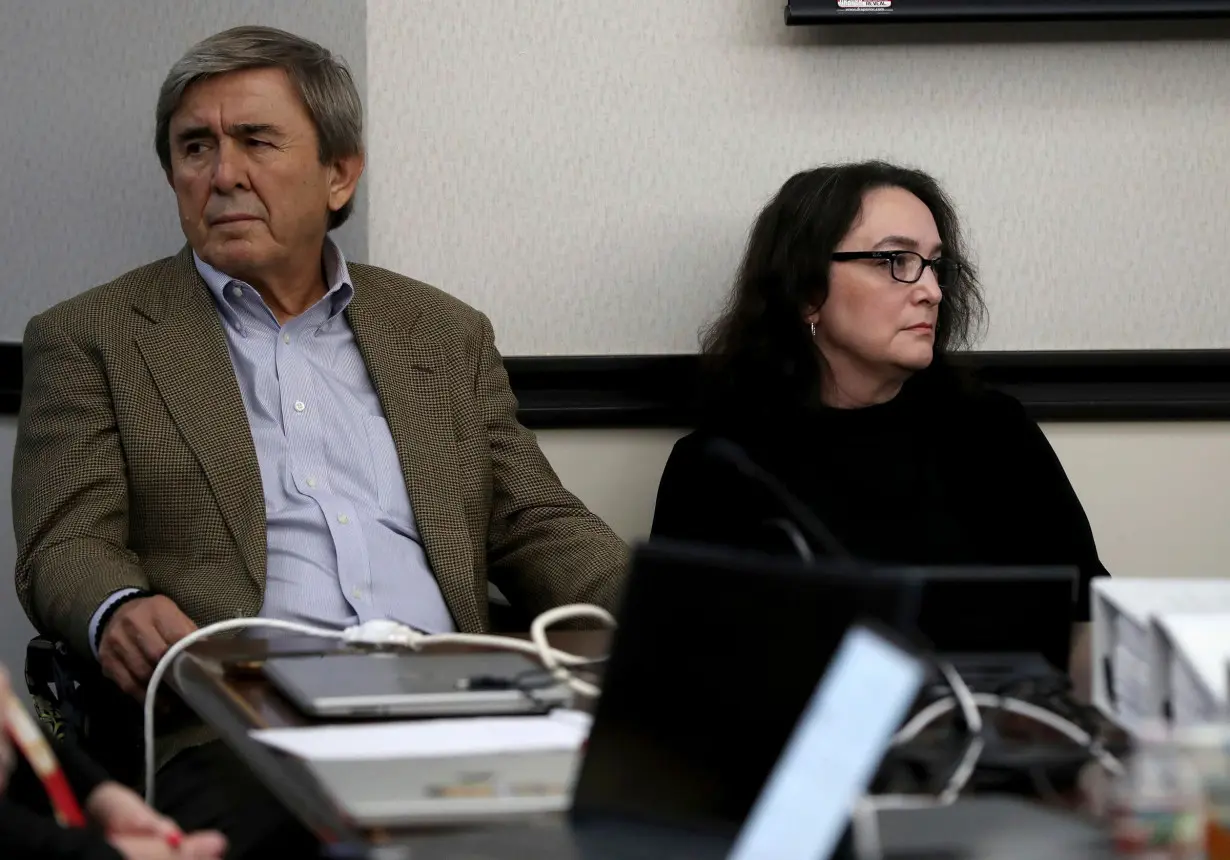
(410,380)
(186,353)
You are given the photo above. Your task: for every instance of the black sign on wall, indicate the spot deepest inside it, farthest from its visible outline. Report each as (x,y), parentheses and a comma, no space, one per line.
(802,12)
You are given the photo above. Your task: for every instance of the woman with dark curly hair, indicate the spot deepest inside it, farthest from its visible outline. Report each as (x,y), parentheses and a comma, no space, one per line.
(828,368)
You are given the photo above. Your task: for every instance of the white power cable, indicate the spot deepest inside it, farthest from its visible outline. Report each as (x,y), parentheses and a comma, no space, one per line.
(164,663)
(963,695)
(387,633)
(865,813)
(551,657)
(973,722)
(990,701)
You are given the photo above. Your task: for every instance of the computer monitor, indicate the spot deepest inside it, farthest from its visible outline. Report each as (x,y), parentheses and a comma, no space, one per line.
(988,610)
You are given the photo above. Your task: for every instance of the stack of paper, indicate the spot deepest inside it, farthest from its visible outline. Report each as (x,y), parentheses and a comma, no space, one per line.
(442,771)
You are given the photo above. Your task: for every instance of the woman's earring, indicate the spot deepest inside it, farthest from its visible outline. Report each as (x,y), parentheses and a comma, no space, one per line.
(813,331)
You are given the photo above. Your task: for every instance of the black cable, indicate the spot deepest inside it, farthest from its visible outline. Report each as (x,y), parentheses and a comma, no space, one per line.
(524,682)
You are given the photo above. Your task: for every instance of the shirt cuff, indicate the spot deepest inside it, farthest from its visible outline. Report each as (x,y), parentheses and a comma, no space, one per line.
(97,617)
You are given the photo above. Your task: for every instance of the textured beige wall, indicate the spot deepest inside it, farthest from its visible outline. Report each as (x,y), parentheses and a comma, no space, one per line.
(1156,494)
(586,171)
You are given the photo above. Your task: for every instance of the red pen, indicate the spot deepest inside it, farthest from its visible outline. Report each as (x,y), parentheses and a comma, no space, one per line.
(25,733)
(20,726)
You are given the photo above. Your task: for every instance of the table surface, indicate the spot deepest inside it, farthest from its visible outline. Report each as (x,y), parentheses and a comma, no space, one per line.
(221,680)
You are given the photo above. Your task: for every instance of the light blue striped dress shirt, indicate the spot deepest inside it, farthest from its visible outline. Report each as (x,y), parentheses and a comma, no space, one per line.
(343,547)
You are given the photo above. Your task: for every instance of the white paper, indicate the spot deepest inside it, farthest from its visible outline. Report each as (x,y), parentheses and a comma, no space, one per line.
(560,730)
(1144,598)
(1203,640)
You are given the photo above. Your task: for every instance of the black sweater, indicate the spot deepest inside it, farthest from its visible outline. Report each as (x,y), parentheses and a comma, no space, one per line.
(941,474)
(27,827)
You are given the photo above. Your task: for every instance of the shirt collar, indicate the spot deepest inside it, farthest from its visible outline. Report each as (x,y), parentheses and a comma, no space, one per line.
(339,294)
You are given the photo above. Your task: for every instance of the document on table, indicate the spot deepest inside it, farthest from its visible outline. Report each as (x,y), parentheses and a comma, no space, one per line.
(559,730)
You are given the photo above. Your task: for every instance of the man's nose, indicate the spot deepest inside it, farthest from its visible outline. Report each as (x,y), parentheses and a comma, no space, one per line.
(230,170)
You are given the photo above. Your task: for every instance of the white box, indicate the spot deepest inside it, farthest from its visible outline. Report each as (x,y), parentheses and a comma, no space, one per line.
(1127,679)
(1192,652)
(444,771)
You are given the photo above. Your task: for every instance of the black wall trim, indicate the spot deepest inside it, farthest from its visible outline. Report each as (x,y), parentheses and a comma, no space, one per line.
(655,390)
(10,378)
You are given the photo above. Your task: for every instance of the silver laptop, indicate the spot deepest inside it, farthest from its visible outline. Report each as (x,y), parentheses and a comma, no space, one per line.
(397,684)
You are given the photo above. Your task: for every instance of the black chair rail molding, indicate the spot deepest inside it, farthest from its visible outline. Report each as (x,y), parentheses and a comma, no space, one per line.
(657,390)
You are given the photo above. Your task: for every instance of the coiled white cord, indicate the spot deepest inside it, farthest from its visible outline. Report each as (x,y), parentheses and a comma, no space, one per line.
(388,633)
(864,816)
(1011,705)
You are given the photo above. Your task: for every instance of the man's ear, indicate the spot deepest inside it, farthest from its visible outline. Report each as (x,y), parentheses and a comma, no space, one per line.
(344,176)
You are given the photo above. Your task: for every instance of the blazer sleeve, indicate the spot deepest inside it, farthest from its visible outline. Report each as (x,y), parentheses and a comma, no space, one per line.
(544,547)
(70,491)
(1056,523)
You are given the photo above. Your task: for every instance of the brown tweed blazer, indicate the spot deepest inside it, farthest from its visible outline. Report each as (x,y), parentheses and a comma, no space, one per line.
(135,466)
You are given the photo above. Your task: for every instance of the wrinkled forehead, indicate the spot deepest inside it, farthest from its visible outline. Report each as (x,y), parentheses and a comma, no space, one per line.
(251,97)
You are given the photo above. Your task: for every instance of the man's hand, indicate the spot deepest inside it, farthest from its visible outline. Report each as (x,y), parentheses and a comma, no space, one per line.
(136,637)
(140,833)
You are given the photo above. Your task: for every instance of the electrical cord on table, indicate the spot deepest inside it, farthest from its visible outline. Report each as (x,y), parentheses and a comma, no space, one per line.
(558,663)
(864,814)
(1056,695)
(991,701)
(970,705)
(965,700)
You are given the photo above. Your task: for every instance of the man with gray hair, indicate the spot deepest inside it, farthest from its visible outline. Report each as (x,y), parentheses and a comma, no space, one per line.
(255,426)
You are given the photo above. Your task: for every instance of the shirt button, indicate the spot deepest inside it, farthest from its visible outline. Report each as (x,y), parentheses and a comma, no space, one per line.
(237,292)
(356,594)
(311,482)
(343,519)
(285,338)
(299,406)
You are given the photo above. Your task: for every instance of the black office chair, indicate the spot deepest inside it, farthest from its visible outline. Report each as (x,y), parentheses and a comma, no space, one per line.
(78,705)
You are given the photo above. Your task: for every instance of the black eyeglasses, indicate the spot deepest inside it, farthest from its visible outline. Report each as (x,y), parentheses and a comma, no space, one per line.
(908,266)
